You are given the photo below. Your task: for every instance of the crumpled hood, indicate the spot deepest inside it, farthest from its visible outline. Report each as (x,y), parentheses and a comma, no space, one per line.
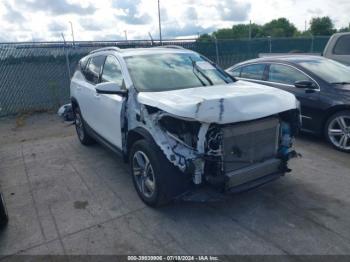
(222,104)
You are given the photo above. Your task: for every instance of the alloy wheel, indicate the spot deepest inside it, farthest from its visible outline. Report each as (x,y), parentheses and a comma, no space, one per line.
(339,132)
(143,173)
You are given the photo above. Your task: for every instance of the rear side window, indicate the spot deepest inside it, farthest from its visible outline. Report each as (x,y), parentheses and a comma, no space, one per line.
(93,69)
(255,71)
(286,74)
(83,62)
(236,72)
(342,47)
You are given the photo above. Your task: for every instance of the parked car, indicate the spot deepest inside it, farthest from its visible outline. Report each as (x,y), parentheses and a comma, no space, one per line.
(321,85)
(181,121)
(338,48)
(3,212)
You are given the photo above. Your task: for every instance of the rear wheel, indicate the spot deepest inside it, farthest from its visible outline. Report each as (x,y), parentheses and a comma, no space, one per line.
(83,135)
(337,130)
(3,212)
(156,180)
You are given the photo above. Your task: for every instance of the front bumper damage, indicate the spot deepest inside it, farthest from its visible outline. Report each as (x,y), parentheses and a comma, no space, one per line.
(232,157)
(244,132)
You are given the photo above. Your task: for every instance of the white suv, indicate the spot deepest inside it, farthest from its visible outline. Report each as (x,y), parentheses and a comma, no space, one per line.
(181,122)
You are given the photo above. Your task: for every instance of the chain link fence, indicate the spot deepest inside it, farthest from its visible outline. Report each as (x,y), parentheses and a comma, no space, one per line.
(35,76)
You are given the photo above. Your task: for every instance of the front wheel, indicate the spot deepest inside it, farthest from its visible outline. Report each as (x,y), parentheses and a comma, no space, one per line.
(156,180)
(337,130)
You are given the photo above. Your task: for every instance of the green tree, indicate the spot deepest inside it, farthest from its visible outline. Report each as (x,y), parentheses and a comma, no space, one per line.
(322,26)
(344,29)
(242,30)
(280,27)
(205,38)
(224,33)
(306,33)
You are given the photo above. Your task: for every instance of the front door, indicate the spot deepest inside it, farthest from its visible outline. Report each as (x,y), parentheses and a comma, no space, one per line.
(107,108)
(284,77)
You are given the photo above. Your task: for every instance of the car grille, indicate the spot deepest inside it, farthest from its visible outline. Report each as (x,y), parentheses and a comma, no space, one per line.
(248,143)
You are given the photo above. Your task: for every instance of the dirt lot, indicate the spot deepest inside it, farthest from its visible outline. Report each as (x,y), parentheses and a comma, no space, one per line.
(64,198)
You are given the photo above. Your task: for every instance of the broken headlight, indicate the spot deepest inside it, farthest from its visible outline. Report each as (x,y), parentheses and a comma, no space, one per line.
(183,131)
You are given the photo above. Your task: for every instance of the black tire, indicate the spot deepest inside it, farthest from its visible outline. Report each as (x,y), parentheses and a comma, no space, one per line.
(3,213)
(169,181)
(343,131)
(80,127)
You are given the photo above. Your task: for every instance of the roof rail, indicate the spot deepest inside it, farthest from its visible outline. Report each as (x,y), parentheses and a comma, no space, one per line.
(109,48)
(172,46)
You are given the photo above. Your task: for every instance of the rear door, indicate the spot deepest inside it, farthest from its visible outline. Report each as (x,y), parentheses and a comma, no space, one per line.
(283,77)
(86,99)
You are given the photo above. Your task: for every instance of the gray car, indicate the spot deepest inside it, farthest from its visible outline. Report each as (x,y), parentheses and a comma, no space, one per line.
(338,48)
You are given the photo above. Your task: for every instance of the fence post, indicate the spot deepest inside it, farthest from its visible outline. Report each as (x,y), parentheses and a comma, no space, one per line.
(67,59)
(217,50)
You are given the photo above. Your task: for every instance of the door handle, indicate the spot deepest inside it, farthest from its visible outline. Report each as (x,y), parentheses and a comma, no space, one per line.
(97,96)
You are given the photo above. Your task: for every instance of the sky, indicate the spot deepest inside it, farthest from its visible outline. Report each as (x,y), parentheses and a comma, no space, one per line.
(46,20)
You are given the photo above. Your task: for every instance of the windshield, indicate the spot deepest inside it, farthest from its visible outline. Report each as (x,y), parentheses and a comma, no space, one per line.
(172,71)
(328,70)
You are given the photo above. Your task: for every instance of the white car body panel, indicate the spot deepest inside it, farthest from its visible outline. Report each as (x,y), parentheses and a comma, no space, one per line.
(101,112)
(107,109)
(80,89)
(237,102)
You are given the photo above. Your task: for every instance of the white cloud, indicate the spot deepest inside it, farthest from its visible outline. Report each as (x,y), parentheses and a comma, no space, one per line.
(24,20)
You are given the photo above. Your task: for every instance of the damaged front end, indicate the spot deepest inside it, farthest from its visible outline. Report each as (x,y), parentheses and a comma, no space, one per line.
(226,156)
(182,141)
(246,154)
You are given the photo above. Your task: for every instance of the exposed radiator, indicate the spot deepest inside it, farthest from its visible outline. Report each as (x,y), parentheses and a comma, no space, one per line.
(247,143)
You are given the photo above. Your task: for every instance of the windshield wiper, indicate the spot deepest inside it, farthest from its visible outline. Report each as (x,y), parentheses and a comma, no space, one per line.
(196,67)
(341,83)
(223,73)
(200,79)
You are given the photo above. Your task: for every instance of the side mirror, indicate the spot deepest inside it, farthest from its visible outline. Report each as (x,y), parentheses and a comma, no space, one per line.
(305,84)
(110,88)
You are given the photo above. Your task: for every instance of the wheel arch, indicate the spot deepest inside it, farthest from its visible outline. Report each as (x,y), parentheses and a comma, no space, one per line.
(134,135)
(74,102)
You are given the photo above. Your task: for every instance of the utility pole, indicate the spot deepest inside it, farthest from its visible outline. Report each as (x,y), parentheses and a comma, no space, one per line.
(126,35)
(71,28)
(160,25)
(216,50)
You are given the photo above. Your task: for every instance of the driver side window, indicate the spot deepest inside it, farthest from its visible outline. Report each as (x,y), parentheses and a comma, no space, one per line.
(112,71)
